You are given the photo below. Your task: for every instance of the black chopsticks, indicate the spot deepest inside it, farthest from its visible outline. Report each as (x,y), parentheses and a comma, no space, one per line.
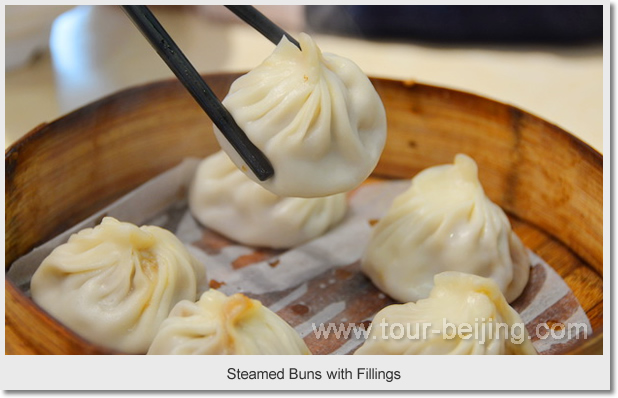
(193,82)
(259,22)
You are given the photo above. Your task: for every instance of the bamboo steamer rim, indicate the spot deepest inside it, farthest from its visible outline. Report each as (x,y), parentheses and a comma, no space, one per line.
(16,299)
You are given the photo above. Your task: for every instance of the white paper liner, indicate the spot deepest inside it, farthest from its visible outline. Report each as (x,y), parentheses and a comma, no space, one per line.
(315,283)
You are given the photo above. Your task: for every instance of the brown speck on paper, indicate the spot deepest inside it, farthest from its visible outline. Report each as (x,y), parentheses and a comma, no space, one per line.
(214,284)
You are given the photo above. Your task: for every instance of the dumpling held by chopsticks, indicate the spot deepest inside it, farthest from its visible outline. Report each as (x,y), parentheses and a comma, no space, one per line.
(316,116)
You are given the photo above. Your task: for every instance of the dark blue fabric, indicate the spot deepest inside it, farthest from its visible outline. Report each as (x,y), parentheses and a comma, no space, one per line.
(489,24)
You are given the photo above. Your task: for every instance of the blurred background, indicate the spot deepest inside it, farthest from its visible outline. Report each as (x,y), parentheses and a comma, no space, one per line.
(547,60)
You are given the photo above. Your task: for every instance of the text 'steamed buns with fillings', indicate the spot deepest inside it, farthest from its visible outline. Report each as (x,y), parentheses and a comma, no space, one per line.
(444,222)
(115,283)
(226,325)
(464,314)
(316,116)
(224,199)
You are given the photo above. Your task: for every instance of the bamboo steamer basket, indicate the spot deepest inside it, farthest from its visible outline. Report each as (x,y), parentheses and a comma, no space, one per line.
(549,182)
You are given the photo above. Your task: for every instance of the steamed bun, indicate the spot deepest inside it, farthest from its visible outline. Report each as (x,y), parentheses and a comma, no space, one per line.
(464,314)
(444,222)
(226,325)
(224,199)
(316,117)
(115,283)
